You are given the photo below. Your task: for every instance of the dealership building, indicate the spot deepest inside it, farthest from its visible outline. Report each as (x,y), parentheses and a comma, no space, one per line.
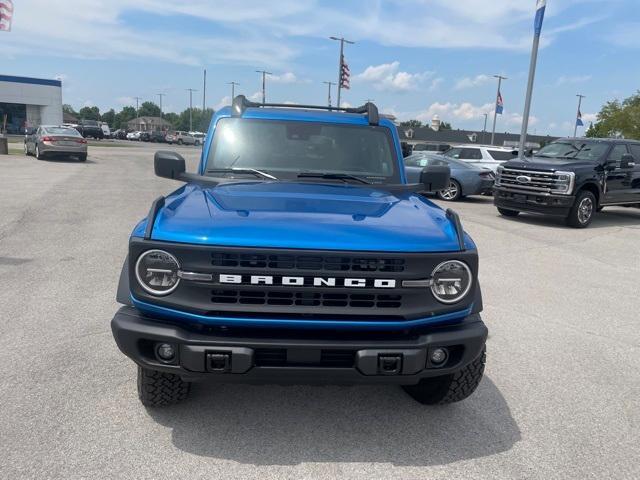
(29,102)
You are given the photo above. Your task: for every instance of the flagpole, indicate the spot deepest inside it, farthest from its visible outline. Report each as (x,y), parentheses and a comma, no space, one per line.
(495,109)
(575,129)
(540,8)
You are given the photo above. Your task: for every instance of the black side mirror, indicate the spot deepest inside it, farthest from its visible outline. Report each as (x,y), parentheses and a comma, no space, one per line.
(169,164)
(627,161)
(435,177)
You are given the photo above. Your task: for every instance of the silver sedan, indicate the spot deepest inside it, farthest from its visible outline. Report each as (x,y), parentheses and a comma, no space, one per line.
(48,141)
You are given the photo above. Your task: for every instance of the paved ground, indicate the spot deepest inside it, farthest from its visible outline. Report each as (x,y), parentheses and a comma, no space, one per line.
(560,398)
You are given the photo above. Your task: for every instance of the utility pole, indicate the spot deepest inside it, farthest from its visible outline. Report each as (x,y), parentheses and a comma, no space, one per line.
(137,108)
(575,128)
(342,41)
(537,27)
(264,78)
(233,89)
(191,90)
(204,91)
(329,94)
(160,95)
(495,110)
(484,129)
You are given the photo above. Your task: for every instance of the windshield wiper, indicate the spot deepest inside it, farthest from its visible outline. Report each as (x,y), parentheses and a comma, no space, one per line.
(333,176)
(252,171)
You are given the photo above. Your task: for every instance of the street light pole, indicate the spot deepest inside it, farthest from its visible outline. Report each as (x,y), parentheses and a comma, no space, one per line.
(575,128)
(342,41)
(137,107)
(160,95)
(264,81)
(233,89)
(495,110)
(329,92)
(484,129)
(191,90)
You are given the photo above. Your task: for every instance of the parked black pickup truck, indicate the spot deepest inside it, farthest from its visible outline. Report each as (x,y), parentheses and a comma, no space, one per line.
(571,178)
(90,128)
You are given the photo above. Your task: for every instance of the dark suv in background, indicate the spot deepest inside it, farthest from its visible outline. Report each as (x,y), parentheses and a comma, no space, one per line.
(571,178)
(90,128)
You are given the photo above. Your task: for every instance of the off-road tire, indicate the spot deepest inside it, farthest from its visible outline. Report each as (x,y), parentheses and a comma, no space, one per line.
(576,217)
(505,212)
(159,389)
(449,388)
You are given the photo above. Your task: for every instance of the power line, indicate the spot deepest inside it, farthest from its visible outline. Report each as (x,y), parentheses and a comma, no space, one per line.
(191,90)
(264,81)
(329,92)
(160,95)
(233,89)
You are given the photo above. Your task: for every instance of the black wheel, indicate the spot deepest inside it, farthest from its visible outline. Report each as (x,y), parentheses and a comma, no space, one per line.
(159,389)
(39,155)
(508,213)
(583,209)
(82,157)
(452,193)
(449,388)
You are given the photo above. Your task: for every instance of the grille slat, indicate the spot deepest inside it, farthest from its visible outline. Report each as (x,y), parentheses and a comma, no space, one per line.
(307,262)
(277,357)
(305,299)
(543,183)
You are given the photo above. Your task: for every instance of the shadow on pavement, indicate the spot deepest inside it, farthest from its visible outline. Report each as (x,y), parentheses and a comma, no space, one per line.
(609,217)
(288,425)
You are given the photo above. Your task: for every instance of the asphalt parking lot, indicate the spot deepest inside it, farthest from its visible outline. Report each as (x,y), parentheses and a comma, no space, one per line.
(560,399)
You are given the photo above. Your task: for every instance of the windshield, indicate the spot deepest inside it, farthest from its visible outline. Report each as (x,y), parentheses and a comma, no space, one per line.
(61,131)
(578,150)
(286,149)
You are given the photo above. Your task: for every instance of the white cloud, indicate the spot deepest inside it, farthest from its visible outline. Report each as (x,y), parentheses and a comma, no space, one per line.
(224,102)
(287,77)
(589,117)
(449,111)
(126,101)
(256,96)
(515,120)
(471,82)
(572,79)
(387,77)
(88,103)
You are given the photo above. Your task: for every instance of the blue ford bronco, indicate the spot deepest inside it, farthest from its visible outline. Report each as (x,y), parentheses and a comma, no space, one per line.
(298,253)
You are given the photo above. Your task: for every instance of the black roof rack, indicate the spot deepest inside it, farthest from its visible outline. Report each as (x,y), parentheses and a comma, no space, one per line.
(240,104)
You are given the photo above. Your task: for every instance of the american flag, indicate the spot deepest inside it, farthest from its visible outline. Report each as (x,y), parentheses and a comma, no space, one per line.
(499,104)
(345,74)
(6,13)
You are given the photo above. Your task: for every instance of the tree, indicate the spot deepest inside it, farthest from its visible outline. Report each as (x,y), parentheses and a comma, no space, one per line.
(123,116)
(149,109)
(618,119)
(445,126)
(411,124)
(109,117)
(200,121)
(89,113)
(66,108)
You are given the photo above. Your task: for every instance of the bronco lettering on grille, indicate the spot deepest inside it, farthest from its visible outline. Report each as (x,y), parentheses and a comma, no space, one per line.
(306,281)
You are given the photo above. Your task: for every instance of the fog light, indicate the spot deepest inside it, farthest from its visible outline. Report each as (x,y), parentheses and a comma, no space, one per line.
(165,352)
(439,356)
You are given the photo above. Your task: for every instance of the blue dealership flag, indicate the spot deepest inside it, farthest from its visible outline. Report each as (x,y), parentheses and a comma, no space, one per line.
(499,104)
(541,5)
(579,122)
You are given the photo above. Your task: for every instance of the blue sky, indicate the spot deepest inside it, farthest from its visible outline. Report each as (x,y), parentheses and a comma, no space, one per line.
(415,58)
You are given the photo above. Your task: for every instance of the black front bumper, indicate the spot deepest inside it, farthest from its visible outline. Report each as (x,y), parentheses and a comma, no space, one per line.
(556,205)
(283,357)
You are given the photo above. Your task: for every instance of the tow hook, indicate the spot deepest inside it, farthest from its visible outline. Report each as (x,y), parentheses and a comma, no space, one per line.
(219,362)
(389,364)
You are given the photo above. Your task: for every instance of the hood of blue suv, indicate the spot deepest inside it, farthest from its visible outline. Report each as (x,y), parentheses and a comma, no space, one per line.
(305,216)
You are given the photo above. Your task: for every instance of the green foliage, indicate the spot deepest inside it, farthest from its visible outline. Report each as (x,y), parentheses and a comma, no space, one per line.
(123,116)
(109,117)
(445,126)
(66,108)
(149,109)
(172,118)
(618,119)
(200,120)
(89,113)
(411,124)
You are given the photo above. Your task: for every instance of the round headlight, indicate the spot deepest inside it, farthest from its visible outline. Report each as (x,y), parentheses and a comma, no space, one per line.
(451,281)
(157,272)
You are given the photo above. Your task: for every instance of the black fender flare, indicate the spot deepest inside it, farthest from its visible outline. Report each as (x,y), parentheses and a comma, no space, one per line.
(123,295)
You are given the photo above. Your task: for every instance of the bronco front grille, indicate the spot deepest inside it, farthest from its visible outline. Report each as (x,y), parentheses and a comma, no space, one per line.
(305,299)
(533,182)
(307,262)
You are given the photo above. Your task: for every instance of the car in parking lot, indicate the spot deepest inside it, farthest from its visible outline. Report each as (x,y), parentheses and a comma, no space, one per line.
(466,179)
(486,156)
(48,141)
(572,178)
(134,135)
(90,128)
(157,136)
(181,138)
